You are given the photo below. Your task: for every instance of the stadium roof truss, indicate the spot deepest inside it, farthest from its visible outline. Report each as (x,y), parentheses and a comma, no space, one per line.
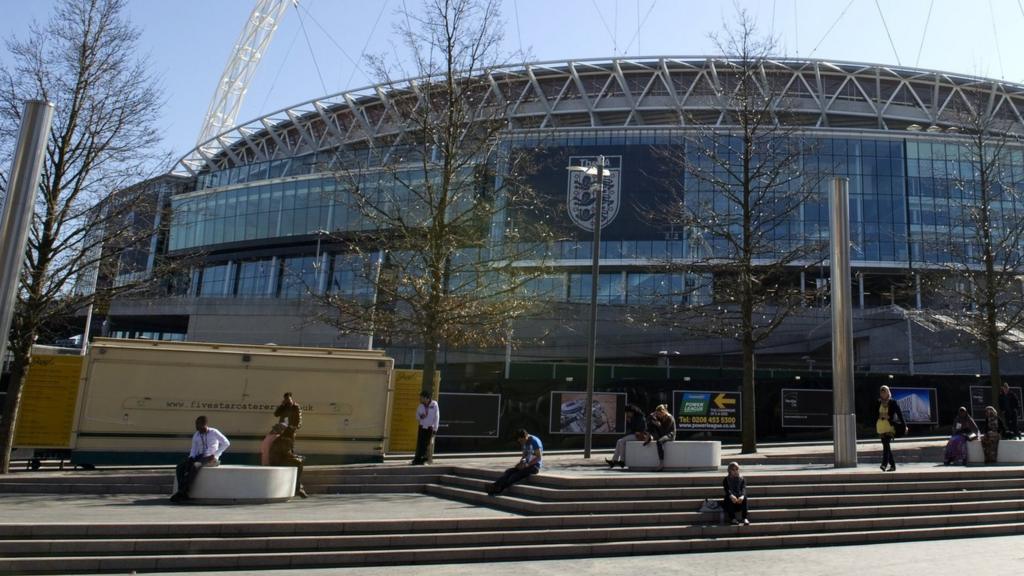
(622,93)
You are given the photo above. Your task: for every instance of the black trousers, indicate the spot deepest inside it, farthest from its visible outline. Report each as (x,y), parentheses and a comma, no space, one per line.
(887,450)
(186,473)
(510,477)
(289,460)
(423,438)
(1012,426)
(660,443)
(731,508)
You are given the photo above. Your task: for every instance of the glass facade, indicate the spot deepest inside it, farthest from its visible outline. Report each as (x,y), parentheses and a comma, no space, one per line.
(905,198)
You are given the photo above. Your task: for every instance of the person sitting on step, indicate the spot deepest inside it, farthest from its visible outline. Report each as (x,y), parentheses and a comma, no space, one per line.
(735,502)
(529,464)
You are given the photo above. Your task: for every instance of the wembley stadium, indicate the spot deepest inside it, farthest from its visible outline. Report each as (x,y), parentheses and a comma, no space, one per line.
(256,207)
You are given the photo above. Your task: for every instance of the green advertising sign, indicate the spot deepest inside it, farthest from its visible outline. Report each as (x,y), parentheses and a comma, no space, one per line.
(702,410)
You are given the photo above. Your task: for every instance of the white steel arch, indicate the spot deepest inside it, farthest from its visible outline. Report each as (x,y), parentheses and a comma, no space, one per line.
(234,82)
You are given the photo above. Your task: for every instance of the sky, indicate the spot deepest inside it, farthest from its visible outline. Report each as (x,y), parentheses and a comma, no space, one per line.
(318,48)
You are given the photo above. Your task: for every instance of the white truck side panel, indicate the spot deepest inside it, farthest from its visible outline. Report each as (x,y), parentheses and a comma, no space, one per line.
(141,399)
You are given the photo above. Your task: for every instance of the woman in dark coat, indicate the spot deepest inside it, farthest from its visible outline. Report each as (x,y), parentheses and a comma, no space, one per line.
(890,420)
(735,501)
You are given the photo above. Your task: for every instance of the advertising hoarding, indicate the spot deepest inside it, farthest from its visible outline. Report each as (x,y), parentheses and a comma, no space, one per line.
(806,408)
(469,415)
(980,399)
(568,415)
(919,405)
(697,410)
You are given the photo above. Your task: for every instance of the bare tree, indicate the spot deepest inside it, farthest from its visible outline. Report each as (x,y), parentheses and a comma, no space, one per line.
(434,202)
(977,240)
(85,60)
(743,183)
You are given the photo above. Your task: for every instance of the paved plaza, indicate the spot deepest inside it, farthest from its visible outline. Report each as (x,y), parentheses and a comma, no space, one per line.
(982,555)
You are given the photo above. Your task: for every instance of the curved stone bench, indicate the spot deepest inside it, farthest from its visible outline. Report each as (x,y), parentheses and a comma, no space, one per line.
(679,455)
(242,484)
(1010,452)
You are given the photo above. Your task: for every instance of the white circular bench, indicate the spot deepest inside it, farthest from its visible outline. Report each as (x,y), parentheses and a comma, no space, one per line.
(242,484)
(679,455)
(1009,452)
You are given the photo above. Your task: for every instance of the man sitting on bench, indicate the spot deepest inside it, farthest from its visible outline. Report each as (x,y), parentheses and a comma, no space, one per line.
(207,446)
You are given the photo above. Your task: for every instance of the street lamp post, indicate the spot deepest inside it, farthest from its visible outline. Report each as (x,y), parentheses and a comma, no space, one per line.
(596,170)
(668,361)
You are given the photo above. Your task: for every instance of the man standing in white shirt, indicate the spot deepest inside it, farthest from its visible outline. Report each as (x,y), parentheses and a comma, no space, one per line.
(207,446)
(429,417)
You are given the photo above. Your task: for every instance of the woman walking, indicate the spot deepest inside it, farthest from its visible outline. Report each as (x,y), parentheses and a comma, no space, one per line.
(890,421)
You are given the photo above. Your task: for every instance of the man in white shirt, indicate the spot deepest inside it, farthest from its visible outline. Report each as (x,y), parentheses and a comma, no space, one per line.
(429,417)
(207,446)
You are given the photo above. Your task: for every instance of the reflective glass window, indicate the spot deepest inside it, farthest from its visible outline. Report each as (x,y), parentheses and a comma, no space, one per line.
(214,281)
(300,276)
(254,278)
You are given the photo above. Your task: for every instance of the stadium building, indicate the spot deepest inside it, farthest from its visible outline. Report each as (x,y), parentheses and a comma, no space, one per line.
(256,207)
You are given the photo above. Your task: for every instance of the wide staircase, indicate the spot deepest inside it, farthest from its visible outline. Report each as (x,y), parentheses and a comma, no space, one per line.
(591,514)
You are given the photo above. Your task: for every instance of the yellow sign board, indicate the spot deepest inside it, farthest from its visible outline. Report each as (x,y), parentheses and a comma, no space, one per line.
(404,400)
(48,402)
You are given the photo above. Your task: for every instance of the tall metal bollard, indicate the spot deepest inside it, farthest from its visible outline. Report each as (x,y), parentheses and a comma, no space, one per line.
(844,420)
(17,212)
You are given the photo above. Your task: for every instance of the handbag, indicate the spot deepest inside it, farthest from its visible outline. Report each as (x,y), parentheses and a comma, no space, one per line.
(710,505)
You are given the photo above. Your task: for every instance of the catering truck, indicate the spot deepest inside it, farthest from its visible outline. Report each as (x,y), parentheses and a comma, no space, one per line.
(137,400)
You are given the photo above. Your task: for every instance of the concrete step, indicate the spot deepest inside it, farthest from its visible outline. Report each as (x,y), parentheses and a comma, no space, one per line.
(338,479)
(388,488)
(632,545)
(82,488)
(514,500)
(626,479)
(297,544)
(547,493)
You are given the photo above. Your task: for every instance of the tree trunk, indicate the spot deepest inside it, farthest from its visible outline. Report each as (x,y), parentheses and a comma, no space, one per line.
(749,402)
(19,368)
(996,378)
(429,369)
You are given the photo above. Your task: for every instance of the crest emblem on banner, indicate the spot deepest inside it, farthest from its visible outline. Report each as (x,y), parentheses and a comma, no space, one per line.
(581,198)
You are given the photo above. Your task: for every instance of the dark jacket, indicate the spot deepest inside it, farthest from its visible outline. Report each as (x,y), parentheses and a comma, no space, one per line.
(1008,407)
(637,423)
(662,425)
(895,415)
(294,415)
(740,491)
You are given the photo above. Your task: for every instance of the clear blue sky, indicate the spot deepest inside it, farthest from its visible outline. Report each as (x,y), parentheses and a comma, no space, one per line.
(190,40)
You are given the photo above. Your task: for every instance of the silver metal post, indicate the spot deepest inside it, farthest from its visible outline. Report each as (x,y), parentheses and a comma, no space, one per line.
(16,218)
(595,266)
(88,328)
(844,421)
(910,344)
